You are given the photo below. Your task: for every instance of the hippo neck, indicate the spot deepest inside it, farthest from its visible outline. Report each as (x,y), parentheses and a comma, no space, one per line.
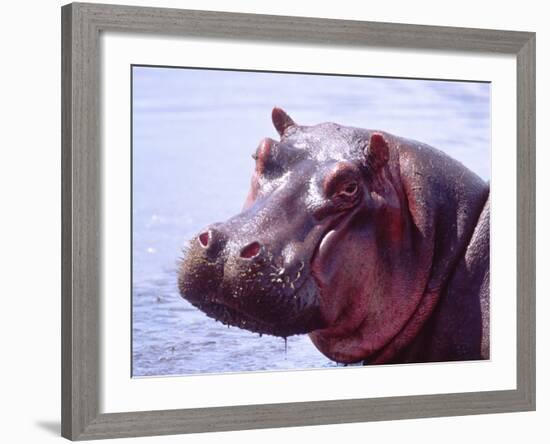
(442,200)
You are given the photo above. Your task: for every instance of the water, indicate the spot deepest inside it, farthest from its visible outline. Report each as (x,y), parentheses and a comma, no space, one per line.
(194,132)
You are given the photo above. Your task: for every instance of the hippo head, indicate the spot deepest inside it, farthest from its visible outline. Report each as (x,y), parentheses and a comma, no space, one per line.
(311,250)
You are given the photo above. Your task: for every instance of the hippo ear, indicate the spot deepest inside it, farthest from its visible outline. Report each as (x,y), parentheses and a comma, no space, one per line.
(281,120)
(376,152)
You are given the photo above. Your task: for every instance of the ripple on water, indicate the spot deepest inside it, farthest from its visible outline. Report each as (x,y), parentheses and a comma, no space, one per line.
(174,338)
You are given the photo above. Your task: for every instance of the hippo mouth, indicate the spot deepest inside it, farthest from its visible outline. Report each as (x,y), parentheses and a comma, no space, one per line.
(261,295)
(233,315)
(305,320)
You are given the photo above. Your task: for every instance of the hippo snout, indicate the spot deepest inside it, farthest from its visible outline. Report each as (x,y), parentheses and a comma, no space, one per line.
(243,281)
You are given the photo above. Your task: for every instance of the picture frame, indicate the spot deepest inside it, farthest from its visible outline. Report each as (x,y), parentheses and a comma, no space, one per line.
(81,232)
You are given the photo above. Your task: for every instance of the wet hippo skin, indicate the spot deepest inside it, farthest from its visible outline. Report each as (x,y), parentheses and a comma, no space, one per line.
(374,245)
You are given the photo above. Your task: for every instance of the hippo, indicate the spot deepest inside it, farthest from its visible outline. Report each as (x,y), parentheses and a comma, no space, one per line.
(374,245)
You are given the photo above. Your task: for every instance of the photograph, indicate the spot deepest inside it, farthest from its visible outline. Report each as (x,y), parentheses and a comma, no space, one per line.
(298,221)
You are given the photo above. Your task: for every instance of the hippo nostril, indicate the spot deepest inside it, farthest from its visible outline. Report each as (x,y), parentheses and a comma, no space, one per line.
(251,250)
(212,241)
(204,238)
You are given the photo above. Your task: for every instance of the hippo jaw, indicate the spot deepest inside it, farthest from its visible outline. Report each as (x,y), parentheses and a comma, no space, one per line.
(254,289)
(222,309)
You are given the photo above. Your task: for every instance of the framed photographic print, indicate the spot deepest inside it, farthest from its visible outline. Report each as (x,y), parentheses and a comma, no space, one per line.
(278,221)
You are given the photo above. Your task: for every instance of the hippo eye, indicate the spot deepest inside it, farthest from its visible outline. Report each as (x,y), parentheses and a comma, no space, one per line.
(255,156)
(349,190)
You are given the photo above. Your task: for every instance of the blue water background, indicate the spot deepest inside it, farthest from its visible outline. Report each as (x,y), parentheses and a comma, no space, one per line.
(193,135)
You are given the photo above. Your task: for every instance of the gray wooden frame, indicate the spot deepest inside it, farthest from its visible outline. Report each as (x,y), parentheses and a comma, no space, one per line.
(81,242)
